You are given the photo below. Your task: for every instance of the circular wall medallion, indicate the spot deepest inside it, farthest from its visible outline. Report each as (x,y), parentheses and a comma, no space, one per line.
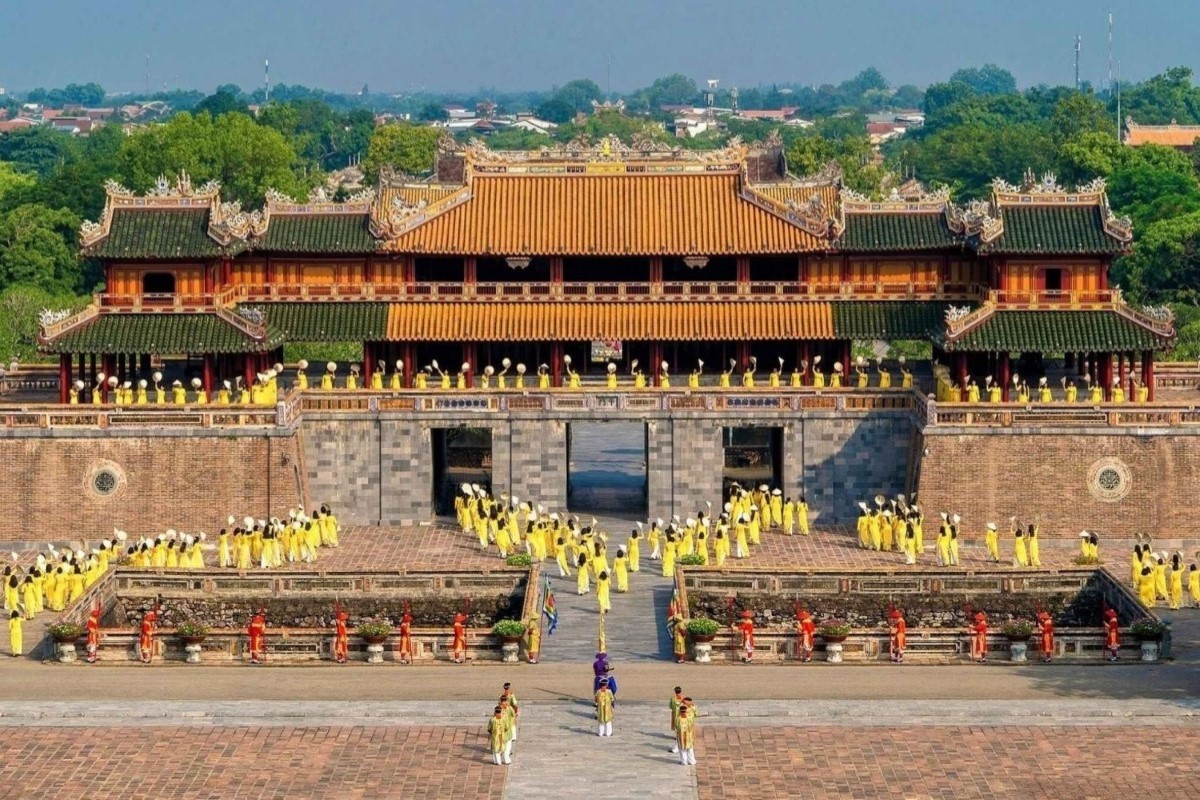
(1109,480)
(104,479)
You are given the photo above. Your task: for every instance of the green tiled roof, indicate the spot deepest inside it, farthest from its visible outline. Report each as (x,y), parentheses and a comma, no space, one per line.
(333,321)
(1054,229)
(157,233)
(164,333)
(1057,332)
(317,233)
(888,319)
(897,231)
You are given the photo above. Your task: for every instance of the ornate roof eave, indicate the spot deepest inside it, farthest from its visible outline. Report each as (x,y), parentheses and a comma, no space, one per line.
(394,219)
(812,216)
(165,194)
(979,220)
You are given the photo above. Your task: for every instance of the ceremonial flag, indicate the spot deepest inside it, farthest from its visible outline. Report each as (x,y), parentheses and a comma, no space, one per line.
(673,610)
(548,609)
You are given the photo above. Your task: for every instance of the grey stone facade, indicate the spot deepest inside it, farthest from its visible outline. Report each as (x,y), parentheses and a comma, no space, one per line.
(378,468)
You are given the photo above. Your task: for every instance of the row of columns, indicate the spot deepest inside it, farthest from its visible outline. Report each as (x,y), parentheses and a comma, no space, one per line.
(87,367)
(1102,367)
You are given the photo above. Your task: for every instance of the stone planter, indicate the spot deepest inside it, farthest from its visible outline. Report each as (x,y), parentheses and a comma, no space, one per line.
(374,652)
(1150,649)
(1018,650)
(510,650)
(703,650)
(374,639)
(193,649)
(66,650)
(833,650)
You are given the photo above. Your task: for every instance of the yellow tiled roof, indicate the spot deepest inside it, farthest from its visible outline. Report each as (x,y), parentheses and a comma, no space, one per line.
(632,321)
(798,193)
(597,215)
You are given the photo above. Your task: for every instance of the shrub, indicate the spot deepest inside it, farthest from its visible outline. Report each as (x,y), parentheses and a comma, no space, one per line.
(374,629)
(519,560)
(691,560)
(64,630)
(1148,628)
(508,628)
(834,627)
(191,629)
(1018,629)
(702,626)
(1088,561)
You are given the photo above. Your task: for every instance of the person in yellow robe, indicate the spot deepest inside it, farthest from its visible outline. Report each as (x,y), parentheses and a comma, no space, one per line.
(1020,548)
(497,729)
(574,381)
(15,643)
(835,380)
(582,585)
(1161,591)
(748,375)
(776,506)
(603,589)
(610,380)
(685,735)
(352,378)
(725,379)
(1194,585)
(635,550)
(694,376)
(802,516)
(1071,391)
(992,540)
(28,601)
(863,527)
(670,550)
(1118,391)
(1145,587)
(1035,550)
(377,377)
(604,708)
(327,378)
(621,570)
(885,376)
(543,376)
(1175,580)
(201,394)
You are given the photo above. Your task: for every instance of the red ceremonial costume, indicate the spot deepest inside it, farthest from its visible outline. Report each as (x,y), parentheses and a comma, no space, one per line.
(459,648)
(1112,634)
(146,637)
(979,632)
(257,631)
(1046,634)
(93,636)
(898,633)
(746,629)
(341,638)
(406,639)
(806,630)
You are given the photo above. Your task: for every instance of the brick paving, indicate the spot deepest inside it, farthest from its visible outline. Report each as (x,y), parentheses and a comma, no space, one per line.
(245,763)
(955,763)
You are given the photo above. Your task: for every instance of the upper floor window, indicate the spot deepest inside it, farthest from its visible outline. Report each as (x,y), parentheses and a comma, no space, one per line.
(158,283)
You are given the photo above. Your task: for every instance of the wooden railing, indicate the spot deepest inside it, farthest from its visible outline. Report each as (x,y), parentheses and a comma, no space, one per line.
(156,303)
(1056,298)
(606,290)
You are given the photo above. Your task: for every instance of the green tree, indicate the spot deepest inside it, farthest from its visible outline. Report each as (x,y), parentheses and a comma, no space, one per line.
(433,112)
(579,94)
(1077,114)
(221,103)
(410,149)
(988,79)
(1089,155)
(38,149)
(1164,98)
(518,139)
(941,96)
(20,309)
(908,96)
(611,123)
(1165,263)
(555,110)
(37,248)
(1153,183)
(12,180)
(247,158)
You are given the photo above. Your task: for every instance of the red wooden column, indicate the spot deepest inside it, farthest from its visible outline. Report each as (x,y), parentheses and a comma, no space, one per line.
(846,371)
(743,275)
(1148,372)
(226,271)
(743,358)
(470,353)
(207,377)
(556,275)
(248,371)
(109,367)
(1005,376)
(805,356)
(410,363)
(1106,369)
(64,377)
(368,364)
(556,354)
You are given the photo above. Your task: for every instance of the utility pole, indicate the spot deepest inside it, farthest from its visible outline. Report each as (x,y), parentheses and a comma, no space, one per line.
(1110,37)
(266,81)
(147,73)
(1078,43)
(609,80)
(1118,101)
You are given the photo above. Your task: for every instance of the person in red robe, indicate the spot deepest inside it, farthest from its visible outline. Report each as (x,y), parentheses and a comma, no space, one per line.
(1112,634)
(406,638)
(93,635)
(897,634)
(746,630)
(1045,626)
(459,647)
(341,638)
(806,629)
(257,632)
(979,632)
(146,637)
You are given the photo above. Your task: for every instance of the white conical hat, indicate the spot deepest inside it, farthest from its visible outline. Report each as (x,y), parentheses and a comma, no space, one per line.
(197,383)
(302,364)
(991,526)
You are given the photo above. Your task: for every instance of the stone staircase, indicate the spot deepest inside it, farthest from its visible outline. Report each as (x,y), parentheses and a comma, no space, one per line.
(634,629)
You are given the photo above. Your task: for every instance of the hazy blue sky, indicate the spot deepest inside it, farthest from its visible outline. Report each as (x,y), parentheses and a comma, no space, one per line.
(532,44)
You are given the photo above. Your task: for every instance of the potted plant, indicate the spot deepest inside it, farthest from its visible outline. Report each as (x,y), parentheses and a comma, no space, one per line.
(509,631)
(691,560)
(519,560)
(1018,630)
(64,632)
(191,632)
(703,629)
(374,631)
(1148,629)
(1088,561)
(834,630)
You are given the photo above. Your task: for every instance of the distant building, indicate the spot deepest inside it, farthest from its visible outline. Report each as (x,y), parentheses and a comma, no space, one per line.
(20,123)
(1181,137)
(528,122)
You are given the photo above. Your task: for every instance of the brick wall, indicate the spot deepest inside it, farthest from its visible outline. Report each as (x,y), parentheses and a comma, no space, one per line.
(988,477)
(851,459)
(188,482)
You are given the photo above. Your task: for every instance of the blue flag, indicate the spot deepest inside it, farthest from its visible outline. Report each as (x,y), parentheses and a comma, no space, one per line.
(548,609)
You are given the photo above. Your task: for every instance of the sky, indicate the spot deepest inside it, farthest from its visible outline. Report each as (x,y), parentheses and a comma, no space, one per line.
(465,45)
